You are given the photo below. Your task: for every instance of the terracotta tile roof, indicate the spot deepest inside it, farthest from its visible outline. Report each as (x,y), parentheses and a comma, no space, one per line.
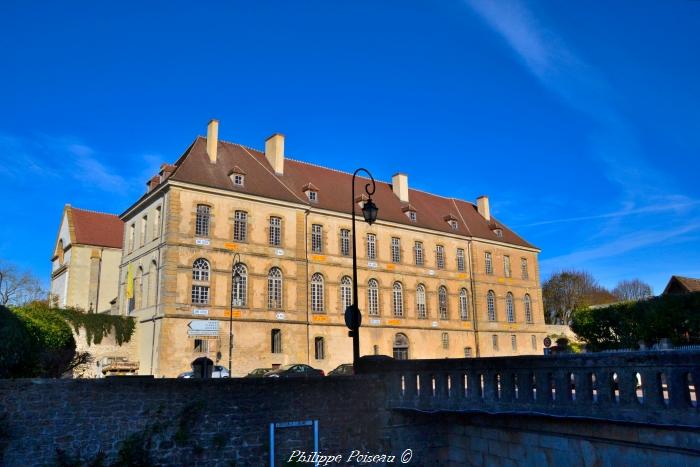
(334,190)
(688,283)
(97,228)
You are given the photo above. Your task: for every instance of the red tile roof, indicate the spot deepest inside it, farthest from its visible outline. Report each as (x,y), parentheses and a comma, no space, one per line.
(97,228)
(334,190)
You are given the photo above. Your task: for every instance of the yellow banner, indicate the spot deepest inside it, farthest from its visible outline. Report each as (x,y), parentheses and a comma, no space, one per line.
(129,281)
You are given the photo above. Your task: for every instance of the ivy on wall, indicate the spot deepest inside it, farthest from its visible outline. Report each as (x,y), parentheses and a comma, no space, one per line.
(97,325)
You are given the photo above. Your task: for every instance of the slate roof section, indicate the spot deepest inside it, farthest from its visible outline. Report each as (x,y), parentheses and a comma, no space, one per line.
(682,284)
(97,228)
(334,190)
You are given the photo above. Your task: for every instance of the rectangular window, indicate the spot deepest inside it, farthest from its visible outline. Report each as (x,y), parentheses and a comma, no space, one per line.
(320,352)
(395,250)
(238,180)
(201,345)
(316,238)
(156,223)
(371,246)
(418,253)
(376,349)
(373,299)
(132,233)
(276,341)
(445,340)
(460,259)
(506,265)
(494,341)
(488,263)
(345,242)
(523,268)
(201,224)
(514,342)
(144,224)
(533,342)
(275,231)
(440,257)
(467,352)
(313,196)
(200,294)
(240,226)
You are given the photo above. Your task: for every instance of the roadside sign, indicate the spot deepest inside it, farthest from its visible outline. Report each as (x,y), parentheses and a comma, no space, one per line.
(547,342)
(203,327)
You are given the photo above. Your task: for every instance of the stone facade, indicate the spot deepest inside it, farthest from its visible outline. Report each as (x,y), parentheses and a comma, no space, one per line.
(161,246)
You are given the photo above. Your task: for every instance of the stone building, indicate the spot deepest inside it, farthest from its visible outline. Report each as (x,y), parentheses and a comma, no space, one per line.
(438,277)
(681,285)
(85,261)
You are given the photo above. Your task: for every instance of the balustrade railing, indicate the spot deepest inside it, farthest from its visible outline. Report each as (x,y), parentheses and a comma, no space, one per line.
(643,387)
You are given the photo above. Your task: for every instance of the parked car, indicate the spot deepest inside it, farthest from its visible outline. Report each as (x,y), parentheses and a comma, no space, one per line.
(258,372)
(343,370)
(294,370)
(186,374)
(218,372)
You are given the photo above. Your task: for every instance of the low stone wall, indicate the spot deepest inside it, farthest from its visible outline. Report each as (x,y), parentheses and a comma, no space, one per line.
(185,422)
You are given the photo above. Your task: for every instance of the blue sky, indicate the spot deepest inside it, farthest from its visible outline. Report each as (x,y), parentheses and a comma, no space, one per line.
(580,120)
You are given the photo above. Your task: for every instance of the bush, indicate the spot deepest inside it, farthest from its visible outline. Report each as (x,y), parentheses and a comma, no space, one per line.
(14,343)
(624,325)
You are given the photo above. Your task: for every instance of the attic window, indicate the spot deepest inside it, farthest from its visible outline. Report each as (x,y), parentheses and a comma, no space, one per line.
(238,179)
(498,232)
(412,215)
(453,223)
(313,195)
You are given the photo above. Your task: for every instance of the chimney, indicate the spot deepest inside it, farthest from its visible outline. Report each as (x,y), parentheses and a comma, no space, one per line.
(153,182)
(166,170)
(399,184)
(212,139)
(482,205)
(274,152)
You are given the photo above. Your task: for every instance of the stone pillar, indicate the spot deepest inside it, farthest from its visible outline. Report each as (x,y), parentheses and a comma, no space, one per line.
(94,285)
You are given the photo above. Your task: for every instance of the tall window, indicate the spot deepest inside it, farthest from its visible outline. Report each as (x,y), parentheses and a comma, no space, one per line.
(445,340)
(506,266)
(494,341)
(240,226)
(144,224)
(488,263)
(440,256)
(398,299)
(276,341)
(316,238)
(132,233)
(275,231)
(463,305)
(528,308)
(317,293)
(421,310)
(533,342)
(513,342)
(371,246)
(395,250)
(442,302)
(400,347)
(156,222)
(200,281)
(320,348)
(274,289)
(418,253)
(345,242)
(523,268)
(201,224)
(240,290)
(510,310)
(373,297)
(467,352)
(491,305)
(201,346)
(460,259)
(345,292)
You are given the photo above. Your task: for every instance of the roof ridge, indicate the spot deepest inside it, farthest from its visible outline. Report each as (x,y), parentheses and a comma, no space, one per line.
(73,208)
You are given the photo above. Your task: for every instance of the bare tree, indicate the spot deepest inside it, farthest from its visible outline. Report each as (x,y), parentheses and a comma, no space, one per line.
(632,290)
(18,287)
(565,291)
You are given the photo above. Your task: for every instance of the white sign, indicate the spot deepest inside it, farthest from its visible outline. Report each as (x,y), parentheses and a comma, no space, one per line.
(197,311)
(435,324)
(431,272)
(280,316)
(201,241)
(203,328)
(279,252)
(371,264)
(375,321)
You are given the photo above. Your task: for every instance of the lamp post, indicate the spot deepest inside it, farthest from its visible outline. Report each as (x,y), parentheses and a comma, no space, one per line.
(353,317)
(235,281)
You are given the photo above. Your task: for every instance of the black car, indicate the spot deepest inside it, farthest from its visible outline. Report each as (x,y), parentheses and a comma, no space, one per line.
(258,372)
(295,370)
(343,370)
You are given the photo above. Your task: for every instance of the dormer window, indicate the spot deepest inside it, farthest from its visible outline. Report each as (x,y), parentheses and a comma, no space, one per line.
(237,177)
(311,192)
(498,232)
(452,222)
(413,216)
(410,212)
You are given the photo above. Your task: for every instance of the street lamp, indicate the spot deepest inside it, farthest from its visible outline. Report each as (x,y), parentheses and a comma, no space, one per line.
(235,281)
(353,317)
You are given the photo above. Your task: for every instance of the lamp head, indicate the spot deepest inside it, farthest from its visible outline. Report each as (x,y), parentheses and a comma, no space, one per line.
(369,211)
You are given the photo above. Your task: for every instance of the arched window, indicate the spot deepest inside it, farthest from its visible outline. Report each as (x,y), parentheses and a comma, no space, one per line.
(59,252)
(153,283)
(488,262)
(200,270)
(274,289)
(139,290)
(491,305)
(510,310)
(201,225)
(398,299)
(445,340)
(317,293)
(442,302)
(528,308)
(400,347)
(240,290)
(373,297)
(463,305)
(345,293)
(421,309)
(276,341)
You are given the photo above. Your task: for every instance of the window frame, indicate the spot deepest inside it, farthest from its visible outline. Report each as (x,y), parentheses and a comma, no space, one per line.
(371,241)
(491,306)
(397,307)
(317,238)
(202,221)
(443,303)
(440,256)
(317,290)
(395,250)
(275,233)
(345,242)
(418,253)
(421,302)
(373,297)
(275,290)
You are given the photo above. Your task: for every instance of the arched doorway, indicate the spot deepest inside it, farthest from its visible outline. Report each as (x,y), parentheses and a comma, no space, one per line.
(400,346)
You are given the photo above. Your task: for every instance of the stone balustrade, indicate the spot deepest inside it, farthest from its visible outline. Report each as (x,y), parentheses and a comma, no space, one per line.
(642,387)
